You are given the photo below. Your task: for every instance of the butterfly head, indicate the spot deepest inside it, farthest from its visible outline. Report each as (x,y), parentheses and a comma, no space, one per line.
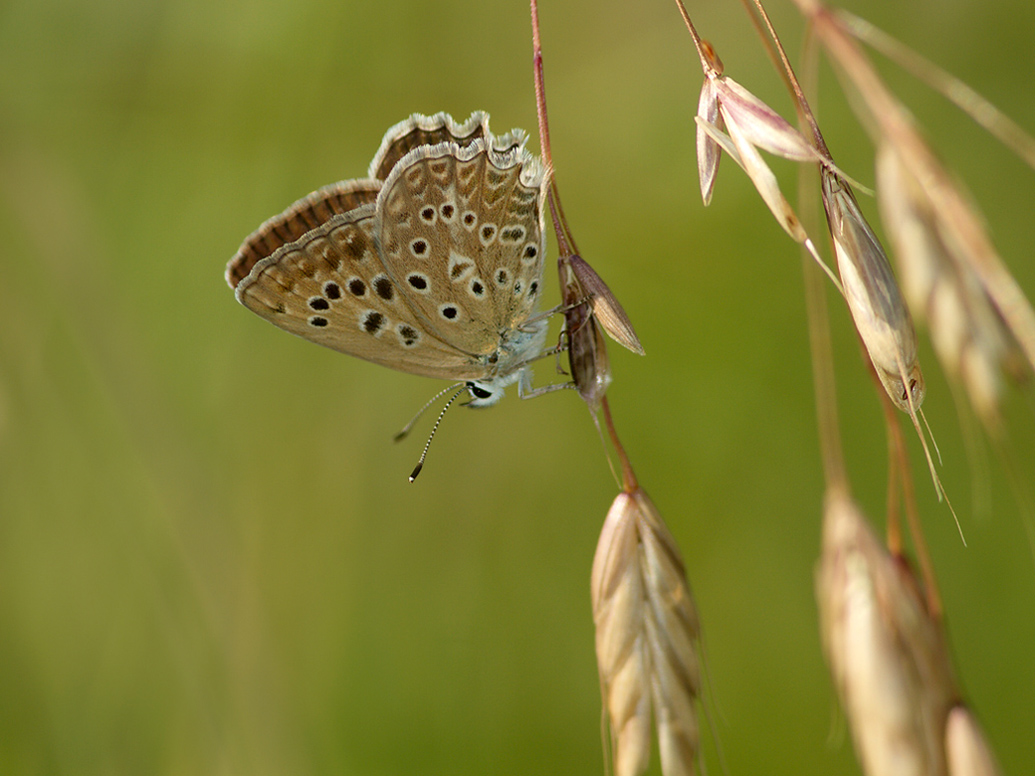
(508,363)
(484,393)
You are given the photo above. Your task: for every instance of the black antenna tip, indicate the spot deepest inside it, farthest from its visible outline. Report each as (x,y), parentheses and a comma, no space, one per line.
(420,464)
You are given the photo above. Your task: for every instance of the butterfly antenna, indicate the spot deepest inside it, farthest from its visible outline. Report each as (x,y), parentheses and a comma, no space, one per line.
(424,453)
(409,426)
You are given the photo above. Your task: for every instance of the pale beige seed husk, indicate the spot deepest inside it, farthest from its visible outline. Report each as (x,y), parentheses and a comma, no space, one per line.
(762,126)
(873,296)
(646,637)
(968,752)
(750,125)
(708,152)
(748,157)
(968,335)
(887,656)
(758,125)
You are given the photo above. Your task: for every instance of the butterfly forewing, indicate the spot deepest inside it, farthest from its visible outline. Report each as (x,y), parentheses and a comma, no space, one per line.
(331,288)
(304,215)
(460,231)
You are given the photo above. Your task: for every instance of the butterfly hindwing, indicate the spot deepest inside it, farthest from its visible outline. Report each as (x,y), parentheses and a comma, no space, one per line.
(418,131)
(304,215)
(331,288)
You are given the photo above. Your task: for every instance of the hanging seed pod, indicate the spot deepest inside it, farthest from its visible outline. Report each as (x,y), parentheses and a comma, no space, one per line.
(589,307)
(606,308)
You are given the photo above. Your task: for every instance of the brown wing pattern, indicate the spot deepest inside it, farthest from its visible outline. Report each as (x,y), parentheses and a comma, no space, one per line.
(418,130)
(331,288)
(304,215)
(428,266)
(460,231)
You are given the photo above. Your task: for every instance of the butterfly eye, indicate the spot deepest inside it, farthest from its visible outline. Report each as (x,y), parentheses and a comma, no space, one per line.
(478,392)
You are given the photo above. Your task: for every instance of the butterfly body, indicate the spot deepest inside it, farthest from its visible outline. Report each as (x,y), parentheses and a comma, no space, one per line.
(431,265)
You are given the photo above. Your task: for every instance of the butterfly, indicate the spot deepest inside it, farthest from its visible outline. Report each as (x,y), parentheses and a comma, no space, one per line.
(430,265)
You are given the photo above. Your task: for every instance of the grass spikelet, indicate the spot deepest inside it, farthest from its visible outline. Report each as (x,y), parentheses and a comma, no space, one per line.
(941,287)
(966,747)
(873,297)
(878,310)
(606,308)
(732,119)
(646,639)
(886,652)
(960,224)
(741,142)
(587,351)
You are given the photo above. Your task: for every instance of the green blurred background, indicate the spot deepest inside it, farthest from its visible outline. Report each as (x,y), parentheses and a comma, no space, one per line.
(210,558)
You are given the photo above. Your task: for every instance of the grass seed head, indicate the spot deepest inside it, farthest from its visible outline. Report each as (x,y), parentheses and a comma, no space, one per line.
(708,151)
(647,638)
(956,216)
(762,126)
(968,751)
(740,149)
(873,297)
(731,118)
(941,287)
(887,654)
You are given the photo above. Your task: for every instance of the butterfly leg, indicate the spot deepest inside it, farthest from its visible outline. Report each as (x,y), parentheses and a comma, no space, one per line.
(561,308)
(561,347)
(526,391)
(563,344)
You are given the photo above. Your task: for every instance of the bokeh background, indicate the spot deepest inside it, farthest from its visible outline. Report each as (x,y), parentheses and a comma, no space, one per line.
(210,558)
